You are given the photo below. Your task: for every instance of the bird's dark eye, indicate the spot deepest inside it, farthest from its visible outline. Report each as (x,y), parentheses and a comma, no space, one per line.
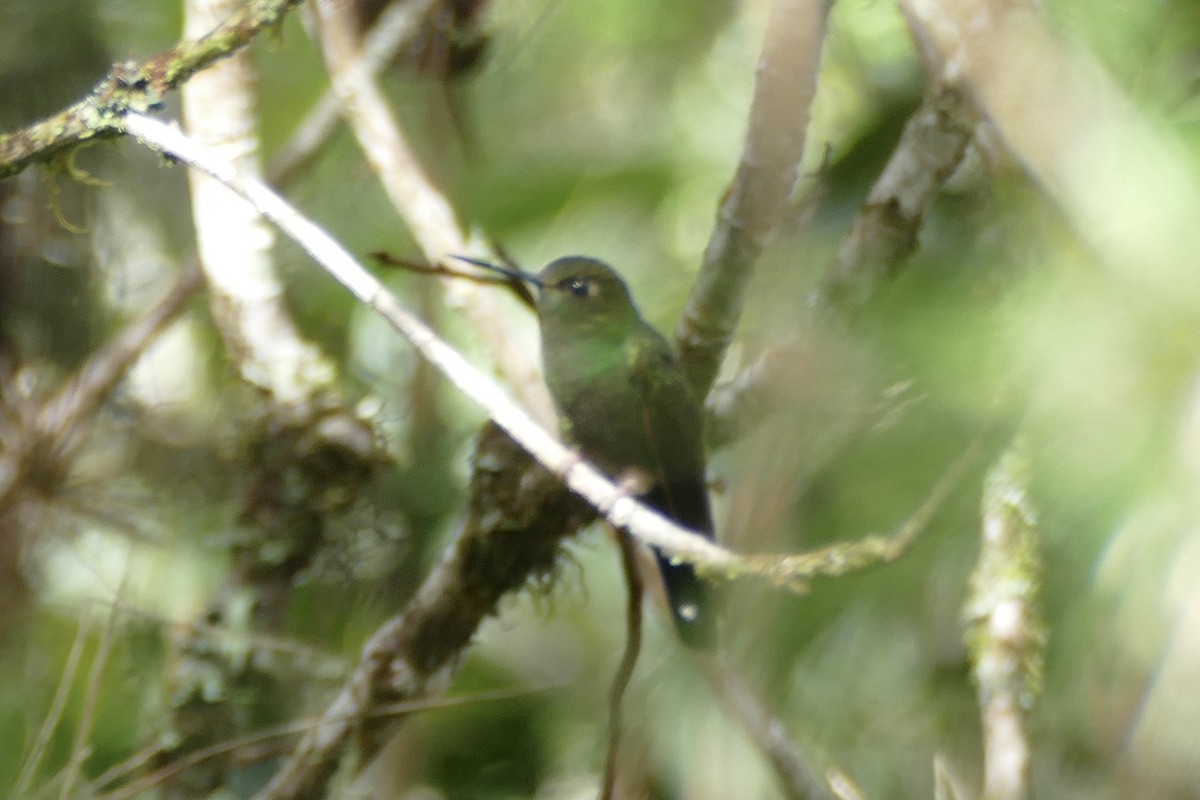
(580,287)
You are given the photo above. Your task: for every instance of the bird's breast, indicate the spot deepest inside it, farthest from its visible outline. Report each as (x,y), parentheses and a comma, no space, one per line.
(599,405)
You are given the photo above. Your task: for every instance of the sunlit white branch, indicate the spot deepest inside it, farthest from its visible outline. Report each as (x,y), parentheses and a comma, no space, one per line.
(233,240)
(616,505)
(427,212)
(391,30)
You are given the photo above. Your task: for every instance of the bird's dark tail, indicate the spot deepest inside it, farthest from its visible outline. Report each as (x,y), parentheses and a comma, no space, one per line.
(692,606)
(692,601)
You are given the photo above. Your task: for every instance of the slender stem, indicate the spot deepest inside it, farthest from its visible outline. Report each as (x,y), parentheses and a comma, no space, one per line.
(633,645)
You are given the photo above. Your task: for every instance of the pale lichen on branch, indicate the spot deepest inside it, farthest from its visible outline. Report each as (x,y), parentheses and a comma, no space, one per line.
(135,87)
(1005,633)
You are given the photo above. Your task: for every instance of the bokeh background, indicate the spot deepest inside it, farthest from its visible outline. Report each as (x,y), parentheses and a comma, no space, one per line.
(611,128)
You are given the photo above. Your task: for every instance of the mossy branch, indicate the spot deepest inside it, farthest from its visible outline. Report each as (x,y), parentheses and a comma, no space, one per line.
(1005,633)
(135,87)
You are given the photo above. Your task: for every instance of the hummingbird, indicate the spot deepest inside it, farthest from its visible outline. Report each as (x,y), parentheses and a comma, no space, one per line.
(622,398)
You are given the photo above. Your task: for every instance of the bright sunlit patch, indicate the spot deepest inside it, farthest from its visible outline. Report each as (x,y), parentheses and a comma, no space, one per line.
(101,566)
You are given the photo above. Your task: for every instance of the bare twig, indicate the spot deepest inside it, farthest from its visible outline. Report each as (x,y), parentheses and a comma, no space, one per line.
(843,558)
(796,778)
(60,425)
(387,36)
(54,714)
(80,750)
(135,86)
(633,645)
(1006,636)
(765,176)
(518,287)
(416,199)
(241,743)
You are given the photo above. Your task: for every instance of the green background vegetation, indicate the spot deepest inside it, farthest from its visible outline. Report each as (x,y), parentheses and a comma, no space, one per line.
(611,128)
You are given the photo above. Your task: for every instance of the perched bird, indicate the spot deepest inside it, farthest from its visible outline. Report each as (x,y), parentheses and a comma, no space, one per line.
(623,400)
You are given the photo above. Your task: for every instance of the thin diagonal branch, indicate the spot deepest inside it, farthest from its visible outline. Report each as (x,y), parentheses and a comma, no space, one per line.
(61,423)
(796,776)
(387,36)
(416,199)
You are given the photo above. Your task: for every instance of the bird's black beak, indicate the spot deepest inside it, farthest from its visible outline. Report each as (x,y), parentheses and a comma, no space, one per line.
(512,272)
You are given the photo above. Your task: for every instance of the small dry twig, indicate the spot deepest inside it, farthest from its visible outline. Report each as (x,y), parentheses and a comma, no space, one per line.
(796,778)
(518,287)
(884,231)
(633,645)
(80,749)
(253,742)
(55,712)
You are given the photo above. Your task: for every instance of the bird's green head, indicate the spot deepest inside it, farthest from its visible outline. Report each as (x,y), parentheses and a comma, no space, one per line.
(578,297)
(583,295)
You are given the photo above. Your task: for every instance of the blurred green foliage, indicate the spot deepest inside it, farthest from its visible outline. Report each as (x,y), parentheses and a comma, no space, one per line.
(610,128)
